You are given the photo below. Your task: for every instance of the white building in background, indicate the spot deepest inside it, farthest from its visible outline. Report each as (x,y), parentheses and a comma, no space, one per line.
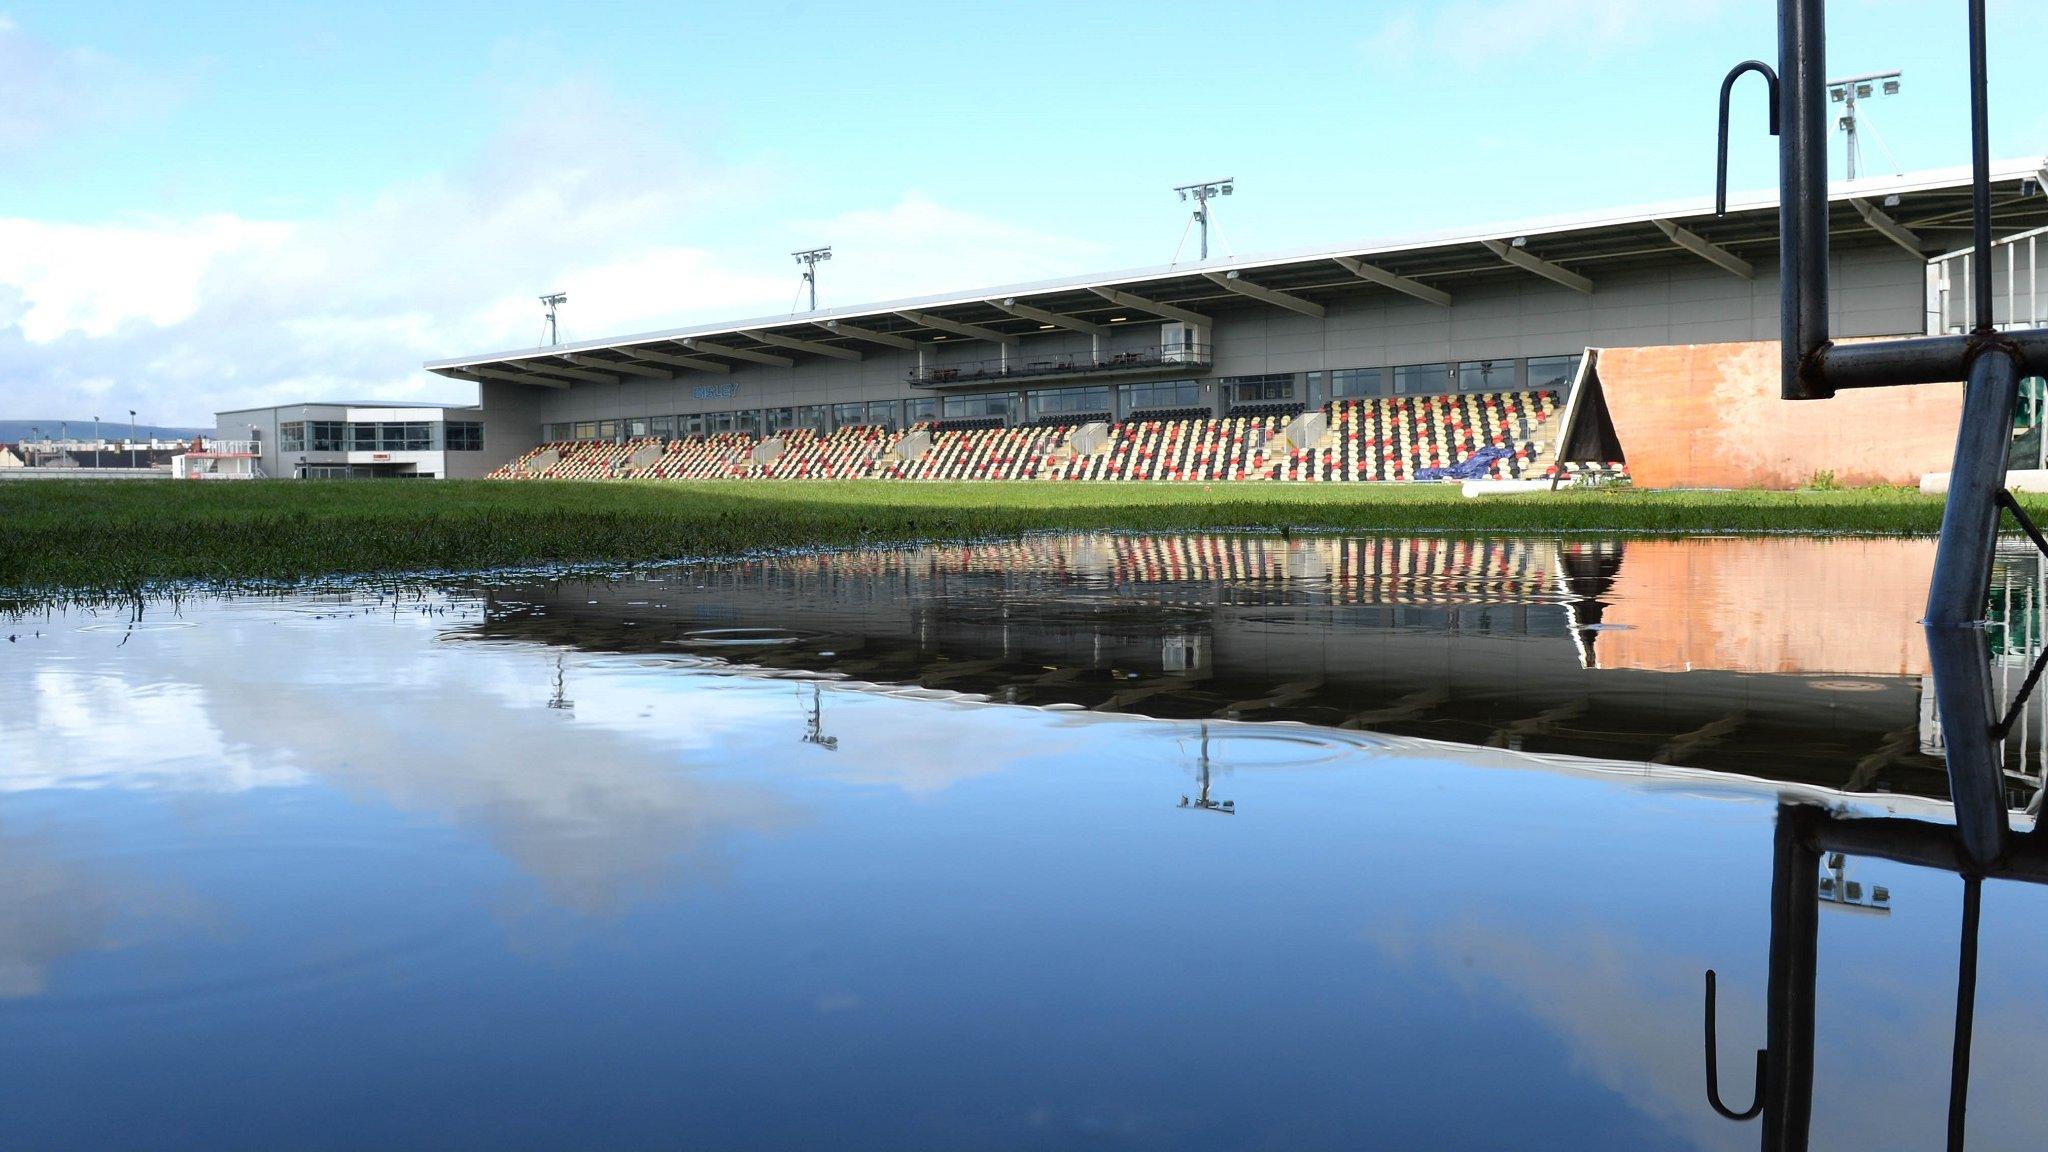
(341,440)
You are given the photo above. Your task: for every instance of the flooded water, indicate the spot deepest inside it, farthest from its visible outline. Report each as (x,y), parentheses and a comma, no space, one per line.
(1077,842)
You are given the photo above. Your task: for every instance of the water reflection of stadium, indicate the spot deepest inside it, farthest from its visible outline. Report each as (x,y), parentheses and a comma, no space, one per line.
(1802,659)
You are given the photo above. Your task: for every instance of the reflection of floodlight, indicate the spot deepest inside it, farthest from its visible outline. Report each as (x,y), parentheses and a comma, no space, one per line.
(1202,800)
(814,727)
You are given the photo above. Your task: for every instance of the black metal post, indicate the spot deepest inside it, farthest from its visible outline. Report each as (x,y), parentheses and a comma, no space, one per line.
(1802,195)
(1966,1013)
(1961,662)
(1969,520)
(1980,167)
(1789,998)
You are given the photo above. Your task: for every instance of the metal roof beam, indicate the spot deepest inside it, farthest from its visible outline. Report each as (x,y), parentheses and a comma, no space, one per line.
(620,366)
(502,374)
(706,346)
(795,345)
(1124,299)
(1509,254)
(690,362)
(1386,279)
(1706,249)
(886,339)
(1890,229)
(1243,287)
(1026,312)
(572,373)
(957,328)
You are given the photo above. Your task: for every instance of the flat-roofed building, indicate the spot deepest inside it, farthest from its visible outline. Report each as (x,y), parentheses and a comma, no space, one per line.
(376,439)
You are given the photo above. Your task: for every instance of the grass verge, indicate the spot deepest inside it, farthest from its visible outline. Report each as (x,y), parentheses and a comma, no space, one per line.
(133,536)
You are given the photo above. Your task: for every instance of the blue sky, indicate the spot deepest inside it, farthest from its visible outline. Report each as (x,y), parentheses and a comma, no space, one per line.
(214,204)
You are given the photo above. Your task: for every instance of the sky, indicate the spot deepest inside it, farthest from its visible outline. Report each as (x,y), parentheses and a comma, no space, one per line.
(211,205)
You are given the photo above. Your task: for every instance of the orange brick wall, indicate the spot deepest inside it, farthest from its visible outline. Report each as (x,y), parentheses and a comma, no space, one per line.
(1709,416)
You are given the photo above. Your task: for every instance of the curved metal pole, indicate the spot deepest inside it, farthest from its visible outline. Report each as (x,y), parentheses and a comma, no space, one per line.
(1728,86)
(1713,1046)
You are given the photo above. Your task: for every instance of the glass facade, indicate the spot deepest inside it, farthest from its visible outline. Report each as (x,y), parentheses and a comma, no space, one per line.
(1486,376)
(1422,379)
(465,436)
(883,414)
(1062,401)
(327,436)
(291,437)
(1163,394)
(1274,387)
(988,404)
(1552,373)
(848,415)
(923,408)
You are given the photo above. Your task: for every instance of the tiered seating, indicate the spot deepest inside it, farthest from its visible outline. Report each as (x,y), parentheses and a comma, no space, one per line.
(985,454)
(574,460)
(1396,437)
(1390,438)
(846,454)
(1232,448)
(716,456)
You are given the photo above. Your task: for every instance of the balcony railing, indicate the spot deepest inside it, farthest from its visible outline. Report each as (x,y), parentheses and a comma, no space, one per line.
(1158,357)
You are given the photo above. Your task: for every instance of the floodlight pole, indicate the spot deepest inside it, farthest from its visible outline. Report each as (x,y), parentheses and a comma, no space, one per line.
(810,258)
(1201,194)
(552,301)
(95,442)
(1846,91)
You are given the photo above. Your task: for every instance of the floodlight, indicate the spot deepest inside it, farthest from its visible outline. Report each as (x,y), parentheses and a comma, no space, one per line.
(1836,95)
(1863,90)
(1891,87)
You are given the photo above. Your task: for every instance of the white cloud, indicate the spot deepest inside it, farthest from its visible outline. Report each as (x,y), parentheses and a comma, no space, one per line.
(182,317)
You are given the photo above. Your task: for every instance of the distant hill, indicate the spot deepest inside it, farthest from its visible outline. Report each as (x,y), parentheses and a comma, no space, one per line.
(12,431)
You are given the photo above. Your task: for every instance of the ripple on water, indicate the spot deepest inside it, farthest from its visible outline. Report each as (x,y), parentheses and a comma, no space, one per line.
(743,637)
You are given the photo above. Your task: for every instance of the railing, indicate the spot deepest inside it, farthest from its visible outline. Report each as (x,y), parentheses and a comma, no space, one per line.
(232,448)
(1016,367)
(2015,286)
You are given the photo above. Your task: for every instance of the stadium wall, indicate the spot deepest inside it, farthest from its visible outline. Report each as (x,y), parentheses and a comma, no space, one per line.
(1710,416)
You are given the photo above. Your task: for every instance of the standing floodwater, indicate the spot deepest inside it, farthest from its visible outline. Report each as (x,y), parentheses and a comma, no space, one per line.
(1100,841)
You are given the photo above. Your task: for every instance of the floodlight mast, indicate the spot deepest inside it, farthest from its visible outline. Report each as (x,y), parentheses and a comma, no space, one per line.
(810,258)
(552,301)
(1850,89)
(1202,193)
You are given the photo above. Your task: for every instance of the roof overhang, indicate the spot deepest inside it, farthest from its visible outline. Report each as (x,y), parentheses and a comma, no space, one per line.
(1932,208)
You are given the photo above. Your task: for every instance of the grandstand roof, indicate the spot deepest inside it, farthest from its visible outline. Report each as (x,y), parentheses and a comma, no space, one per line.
(1926,212)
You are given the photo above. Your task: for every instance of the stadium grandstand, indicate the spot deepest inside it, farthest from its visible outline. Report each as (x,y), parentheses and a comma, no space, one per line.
(1642,340)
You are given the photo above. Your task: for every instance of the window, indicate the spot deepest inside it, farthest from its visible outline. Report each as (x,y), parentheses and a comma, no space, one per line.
(1267,389)
(291,437)
(1164,394)
(781,420)
(607,429)
(1552,373)
(663,426)
(816,417)
(1486,376)
(362,437)
(987,404)
(465,436)
(585,430)
(328,436)
(1355,382)
(847,415)
(636,427)
(716,422)
(882,413)
(1422,379)
(692,425)
(1053,401)
(922,409)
